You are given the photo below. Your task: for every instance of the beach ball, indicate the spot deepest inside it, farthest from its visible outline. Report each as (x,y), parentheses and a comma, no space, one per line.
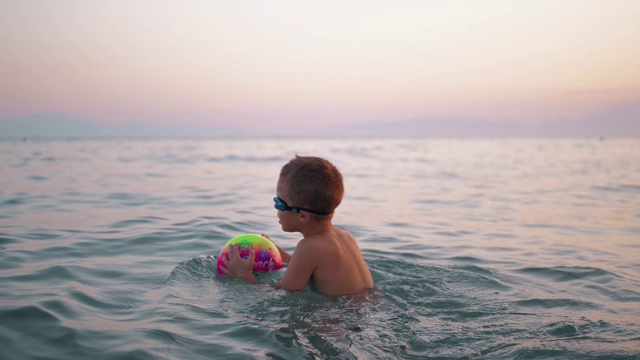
(267,256)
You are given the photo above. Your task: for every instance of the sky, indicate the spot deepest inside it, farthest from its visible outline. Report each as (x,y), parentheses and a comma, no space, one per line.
(305,63)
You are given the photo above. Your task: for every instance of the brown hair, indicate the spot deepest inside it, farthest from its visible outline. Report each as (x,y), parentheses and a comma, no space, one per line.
(313,182)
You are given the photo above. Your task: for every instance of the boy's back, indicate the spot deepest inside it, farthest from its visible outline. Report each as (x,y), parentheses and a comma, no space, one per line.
(334,261)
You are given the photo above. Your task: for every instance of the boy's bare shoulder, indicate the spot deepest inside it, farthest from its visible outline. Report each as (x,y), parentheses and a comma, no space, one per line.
(310,243)
(313,241)
(310,251)
(328,242)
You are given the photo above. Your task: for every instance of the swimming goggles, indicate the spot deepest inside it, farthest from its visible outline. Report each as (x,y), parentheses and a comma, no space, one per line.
(282,206)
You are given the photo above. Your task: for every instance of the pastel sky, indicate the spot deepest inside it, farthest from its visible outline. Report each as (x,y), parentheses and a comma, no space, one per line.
(240,61)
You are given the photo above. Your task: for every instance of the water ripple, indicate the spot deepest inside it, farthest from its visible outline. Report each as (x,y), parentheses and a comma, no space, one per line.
(480,249)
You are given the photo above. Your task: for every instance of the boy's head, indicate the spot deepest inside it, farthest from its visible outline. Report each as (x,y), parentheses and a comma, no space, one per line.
(312,182)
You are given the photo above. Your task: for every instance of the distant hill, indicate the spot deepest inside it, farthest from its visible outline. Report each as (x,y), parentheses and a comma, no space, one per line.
(48,125)
(611,121)
(615,120)
(431,127)
(63,126)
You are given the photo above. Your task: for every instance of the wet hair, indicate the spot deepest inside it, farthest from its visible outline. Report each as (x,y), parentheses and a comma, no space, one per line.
(313,182)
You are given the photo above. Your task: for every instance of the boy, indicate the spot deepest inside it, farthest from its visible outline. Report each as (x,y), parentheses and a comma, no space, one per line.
(309,189)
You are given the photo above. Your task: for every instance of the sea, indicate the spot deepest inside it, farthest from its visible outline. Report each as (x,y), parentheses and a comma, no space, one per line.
(503,248)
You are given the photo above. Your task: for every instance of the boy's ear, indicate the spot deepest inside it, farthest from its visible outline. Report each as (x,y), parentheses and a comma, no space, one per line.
(305,217)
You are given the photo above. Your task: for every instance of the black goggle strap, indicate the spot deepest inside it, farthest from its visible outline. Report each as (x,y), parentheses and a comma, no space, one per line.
(282,206)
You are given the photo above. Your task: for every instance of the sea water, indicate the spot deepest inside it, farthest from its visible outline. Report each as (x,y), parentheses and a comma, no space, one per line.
(479,248)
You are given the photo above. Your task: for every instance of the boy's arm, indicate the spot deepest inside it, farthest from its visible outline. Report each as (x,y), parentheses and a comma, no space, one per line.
(296,276)
(300,269)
